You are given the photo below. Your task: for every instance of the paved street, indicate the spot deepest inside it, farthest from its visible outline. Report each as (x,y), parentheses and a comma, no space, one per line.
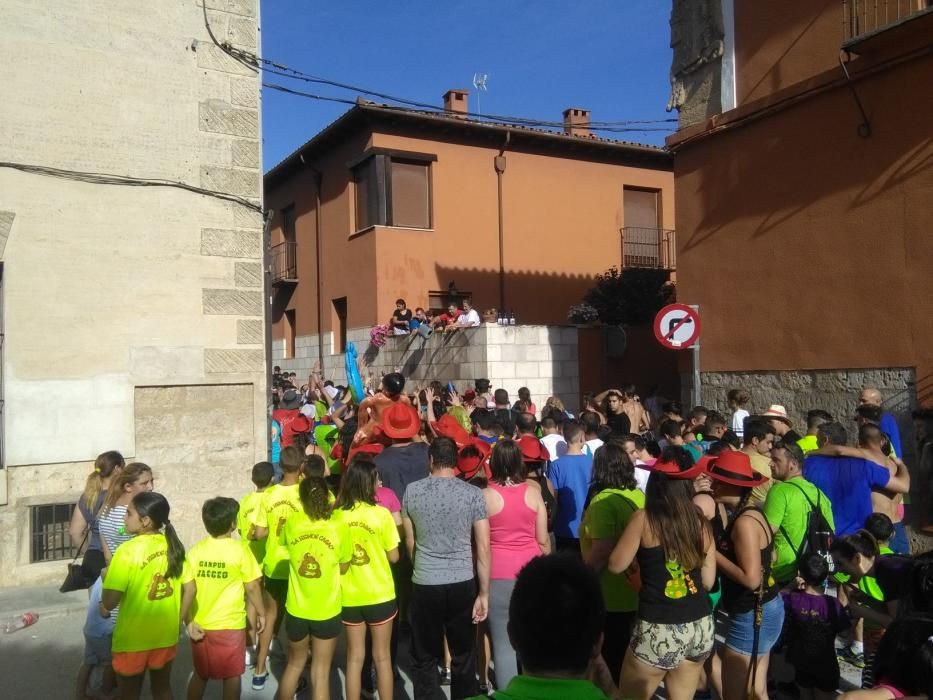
(41,662)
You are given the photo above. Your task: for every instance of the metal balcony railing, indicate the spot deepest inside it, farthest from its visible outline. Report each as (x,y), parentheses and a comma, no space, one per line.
(284,263)
(861,17)
(648,247)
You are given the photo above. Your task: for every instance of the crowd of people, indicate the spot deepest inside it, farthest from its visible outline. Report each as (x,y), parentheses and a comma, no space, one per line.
(524,552)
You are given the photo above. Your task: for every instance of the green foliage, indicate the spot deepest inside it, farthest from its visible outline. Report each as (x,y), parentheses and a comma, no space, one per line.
(630,297)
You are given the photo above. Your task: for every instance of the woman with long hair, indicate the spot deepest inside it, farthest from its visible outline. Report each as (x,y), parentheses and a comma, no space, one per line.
(152,583)
(368,588)
(320,551)
(615,499)
(673,546)
(133,479)
(84,518)
(749,592)
(517,534)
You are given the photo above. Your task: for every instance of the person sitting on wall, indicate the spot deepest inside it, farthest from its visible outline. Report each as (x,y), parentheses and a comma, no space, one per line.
(448,320)
(371,409)
(418,319)
(400,323)
(470,316)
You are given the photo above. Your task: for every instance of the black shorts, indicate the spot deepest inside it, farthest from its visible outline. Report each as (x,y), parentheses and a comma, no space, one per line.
(827,682)
(376,614)
(297,628)
(276,587)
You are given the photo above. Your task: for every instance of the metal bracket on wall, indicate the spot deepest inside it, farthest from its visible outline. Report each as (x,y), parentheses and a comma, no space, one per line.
(864,129)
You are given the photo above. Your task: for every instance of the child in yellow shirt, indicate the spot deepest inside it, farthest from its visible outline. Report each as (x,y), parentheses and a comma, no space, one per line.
(319,551)
(224,568)
(262,475)
(150,580)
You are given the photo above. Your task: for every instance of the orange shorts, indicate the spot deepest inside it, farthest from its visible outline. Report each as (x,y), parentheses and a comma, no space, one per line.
(134,663)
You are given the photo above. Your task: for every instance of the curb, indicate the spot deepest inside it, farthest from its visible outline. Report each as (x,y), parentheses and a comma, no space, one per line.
(46,603)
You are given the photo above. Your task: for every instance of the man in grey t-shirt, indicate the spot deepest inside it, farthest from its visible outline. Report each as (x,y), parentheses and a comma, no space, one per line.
(440,513)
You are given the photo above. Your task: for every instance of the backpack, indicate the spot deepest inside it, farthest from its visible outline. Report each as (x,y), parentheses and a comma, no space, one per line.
(818,535)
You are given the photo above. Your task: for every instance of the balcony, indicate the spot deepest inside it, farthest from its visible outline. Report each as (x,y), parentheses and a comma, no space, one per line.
(284,263)
(865,21)
(648,247)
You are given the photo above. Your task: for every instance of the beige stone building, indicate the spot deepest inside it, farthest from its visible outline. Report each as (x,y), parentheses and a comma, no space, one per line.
(132,316)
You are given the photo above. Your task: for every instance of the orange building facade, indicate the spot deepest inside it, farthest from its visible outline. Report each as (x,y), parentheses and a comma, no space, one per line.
(386,204)
(805,205)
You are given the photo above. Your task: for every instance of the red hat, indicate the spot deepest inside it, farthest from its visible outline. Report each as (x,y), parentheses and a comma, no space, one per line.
(735,468)
(370,448)
(704,462)
(484,447)
(449,427)
(673,471)
(532,450)
(300,425)
(400,421)
(470,465)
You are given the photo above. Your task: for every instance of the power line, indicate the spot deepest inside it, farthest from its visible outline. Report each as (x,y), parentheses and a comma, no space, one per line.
(258,64)
(125,180)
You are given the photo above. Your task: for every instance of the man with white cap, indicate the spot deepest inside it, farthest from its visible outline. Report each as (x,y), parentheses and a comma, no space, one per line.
(776,415)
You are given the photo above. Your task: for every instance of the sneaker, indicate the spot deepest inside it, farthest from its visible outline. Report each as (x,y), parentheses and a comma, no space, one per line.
(302,686)
(367,694)
(250,657)
(259,682)
(850,657)
(445,676)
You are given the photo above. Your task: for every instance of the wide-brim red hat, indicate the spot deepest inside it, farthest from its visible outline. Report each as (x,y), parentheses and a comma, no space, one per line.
(734,467)
(484,447)
(400,421)
(672,470)
(371,448)
(469,465)
(532,450)
(449,427)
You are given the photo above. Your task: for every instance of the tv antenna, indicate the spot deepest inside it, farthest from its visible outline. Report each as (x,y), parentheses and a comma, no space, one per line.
(479,82)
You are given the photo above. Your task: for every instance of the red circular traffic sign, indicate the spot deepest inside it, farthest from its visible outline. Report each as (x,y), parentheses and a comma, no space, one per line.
(677,326)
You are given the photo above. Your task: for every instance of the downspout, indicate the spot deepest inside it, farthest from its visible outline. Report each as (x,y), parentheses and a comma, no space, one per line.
(318,179)
(267,317)
(499,162)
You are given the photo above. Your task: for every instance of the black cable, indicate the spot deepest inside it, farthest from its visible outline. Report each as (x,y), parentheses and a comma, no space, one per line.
(124,180)
(252,61)
(436,112)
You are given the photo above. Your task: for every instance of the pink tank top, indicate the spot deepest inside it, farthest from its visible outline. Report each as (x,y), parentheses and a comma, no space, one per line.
(512,533)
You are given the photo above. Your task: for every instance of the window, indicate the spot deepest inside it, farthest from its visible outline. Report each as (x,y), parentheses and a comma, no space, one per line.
(288,223)
(290,332)
(393,189)
(641,208)
(49,533)
(340,325)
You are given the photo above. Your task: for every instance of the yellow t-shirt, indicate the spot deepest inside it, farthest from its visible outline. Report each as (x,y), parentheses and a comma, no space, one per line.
(222,568)
(278,503)
(373,533)
(316,549)
(244,522)
(762,465)
(150,610)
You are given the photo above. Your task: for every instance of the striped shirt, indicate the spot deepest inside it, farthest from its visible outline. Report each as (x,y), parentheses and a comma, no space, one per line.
(112,525)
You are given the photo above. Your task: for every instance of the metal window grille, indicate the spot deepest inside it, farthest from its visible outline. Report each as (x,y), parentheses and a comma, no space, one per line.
(50,538)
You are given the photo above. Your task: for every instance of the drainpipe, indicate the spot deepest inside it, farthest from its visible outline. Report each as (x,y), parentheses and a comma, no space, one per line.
(499,162)
(318,179)
(267,318)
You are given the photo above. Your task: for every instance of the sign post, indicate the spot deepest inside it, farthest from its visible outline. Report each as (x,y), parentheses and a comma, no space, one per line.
(677,327)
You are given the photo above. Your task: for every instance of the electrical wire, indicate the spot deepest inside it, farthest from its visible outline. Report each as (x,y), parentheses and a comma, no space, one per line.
(263,65)
(125,180)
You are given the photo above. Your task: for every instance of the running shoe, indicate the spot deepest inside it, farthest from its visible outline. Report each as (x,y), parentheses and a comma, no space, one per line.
(852,658)
(259,682)
(250,657)
(302,687)
(445,676)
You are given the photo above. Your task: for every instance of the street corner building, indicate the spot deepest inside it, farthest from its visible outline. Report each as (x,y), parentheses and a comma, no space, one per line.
(804,174)
(131,261)
(438,207)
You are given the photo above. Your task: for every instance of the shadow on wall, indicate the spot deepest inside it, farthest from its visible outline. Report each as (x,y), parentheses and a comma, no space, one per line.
(535,297)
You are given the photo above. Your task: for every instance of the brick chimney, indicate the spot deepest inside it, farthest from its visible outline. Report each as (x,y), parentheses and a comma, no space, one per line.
(455,103)
(577,121)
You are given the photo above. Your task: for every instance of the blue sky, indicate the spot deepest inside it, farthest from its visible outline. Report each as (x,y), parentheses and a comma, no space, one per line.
(610,56)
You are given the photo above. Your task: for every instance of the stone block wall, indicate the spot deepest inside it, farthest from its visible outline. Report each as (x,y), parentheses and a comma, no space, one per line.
(799,391)
(542,358)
